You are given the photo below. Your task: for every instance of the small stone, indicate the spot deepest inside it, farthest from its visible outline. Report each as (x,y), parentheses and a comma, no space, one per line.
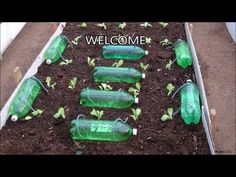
(159,69)
(213,112)
(130,152)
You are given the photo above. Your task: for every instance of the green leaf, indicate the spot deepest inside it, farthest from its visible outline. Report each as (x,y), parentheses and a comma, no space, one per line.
(122,25)
(73,83)
(143,66)
(138,86)
(170,87)
(118,63)
(91,62)
(82,25)
(93,112)
(148,40)
(163,25)
(164,117)
(97,113)
(27,118)
(169,64)
(66,62)
(170,112)
(102,25)
(60,113)
(136,113)
(105,86)
(165,42)
(76,40)
(48,80)
(145,24)
(53,85)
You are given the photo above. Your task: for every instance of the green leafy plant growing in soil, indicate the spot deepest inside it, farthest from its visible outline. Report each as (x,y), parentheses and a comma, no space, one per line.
(145,25)
(118,63)
(105,86)
(66,62)
(170,87)
(49,84)
(75,41)
(163,24)
(122,25)
(82,25)
(97,113)
(37,112)
(144,67)
(60,113)
(168,115)
(166,42)
(136,113)
(148,40)
(91,61)
(101,25)
(135,91)
(72,83)
(169,64)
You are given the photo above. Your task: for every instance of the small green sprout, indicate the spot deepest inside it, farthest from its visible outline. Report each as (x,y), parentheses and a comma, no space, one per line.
(163,24)
(102,25)
(66,62)
(148,40)
(97,113)
(145,25)
(49,84)
(122,25)
(72,83)
(136,113)
(118,63)
(28,117)
(82,25)
(104,86)
(135,91)
(76,40)
(143,66)
(166,42)
(170,87)
(37,112)
(168,115)
(60,113)
(91,61)
(169,64)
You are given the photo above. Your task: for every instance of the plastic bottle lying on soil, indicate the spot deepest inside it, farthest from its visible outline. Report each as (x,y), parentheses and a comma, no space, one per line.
(190,103)
(123,52)
(106,99)
(24,98)
(100,130)
(183,55)
(56,48)
(117,74)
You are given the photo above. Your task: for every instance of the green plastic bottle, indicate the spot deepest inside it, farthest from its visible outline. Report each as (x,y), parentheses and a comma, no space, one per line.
(100,130)
(117,74)
(24,98)
(190,103)
(106,99)
(183,55)
(56,48)
(129,52)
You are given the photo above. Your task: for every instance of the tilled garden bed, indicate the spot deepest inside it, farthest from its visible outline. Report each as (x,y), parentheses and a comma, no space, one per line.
(47,135)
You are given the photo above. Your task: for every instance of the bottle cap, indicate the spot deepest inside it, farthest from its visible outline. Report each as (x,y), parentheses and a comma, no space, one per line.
(189,80)
(143,75)
(146,52)
(48,61)
(136,100)
(14,118)
(134,131)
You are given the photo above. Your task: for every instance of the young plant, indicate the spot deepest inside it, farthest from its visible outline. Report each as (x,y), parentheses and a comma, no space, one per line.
(145,25)
(48,81)
(82,25)
(66,62)
(60,113)
(97,113)
(28,117)
(148,40)
(76,40)
(168,115)
(91,61)
(102,25)
(104,86)
(118,63)
(135,91)
(163,24)
(143,66)
(122,25)
(170,87)
(72,83)
(166,42)
(169,64)
(136,113)
(37,112)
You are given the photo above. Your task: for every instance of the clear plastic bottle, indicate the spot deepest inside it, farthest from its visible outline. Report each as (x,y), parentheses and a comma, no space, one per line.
(56,48)
(183,54)
(129,52)
(106,99)
(21,104)
(100,130)
(117,74)
(190,103)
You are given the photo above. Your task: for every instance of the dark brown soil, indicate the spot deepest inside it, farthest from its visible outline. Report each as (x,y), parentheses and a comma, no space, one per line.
(45,135)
